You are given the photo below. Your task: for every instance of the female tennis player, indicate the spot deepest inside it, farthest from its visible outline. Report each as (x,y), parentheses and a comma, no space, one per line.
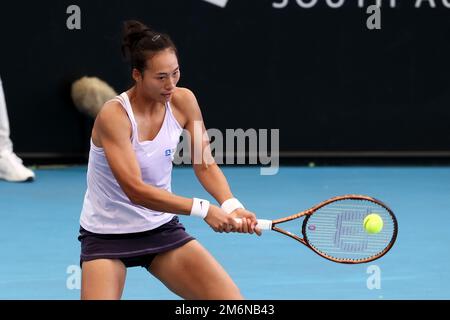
(129,212)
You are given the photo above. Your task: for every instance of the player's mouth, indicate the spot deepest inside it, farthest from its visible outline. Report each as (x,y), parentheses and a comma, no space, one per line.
(167,95)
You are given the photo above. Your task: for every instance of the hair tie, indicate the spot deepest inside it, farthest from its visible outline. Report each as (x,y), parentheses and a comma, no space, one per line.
(156,37)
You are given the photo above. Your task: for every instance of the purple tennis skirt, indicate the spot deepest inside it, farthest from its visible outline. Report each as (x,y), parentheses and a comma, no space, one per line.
(133,249)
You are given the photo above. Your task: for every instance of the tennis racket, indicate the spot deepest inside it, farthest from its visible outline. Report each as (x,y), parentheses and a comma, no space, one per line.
(334,229)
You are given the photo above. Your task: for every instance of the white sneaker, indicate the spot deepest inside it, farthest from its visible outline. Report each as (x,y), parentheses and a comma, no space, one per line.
(12,168)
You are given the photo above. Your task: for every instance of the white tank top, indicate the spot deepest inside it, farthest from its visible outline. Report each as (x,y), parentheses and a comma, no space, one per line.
(106,208)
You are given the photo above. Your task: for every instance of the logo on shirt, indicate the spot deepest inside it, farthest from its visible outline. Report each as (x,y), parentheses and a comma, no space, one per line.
(169,152)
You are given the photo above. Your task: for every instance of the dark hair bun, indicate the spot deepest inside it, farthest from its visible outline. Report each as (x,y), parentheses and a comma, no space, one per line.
(133,32)
(140,42)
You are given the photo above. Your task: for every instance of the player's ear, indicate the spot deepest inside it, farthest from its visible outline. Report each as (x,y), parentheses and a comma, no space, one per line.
(137,76)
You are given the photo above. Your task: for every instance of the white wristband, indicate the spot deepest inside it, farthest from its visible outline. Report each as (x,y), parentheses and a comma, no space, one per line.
(200,208)
(231,204)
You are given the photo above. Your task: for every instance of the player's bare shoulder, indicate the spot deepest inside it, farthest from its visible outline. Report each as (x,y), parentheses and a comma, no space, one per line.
(112,117)
(112,111)
(184,104)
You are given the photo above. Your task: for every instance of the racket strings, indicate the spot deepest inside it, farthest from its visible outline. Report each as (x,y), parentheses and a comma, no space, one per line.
(337,230)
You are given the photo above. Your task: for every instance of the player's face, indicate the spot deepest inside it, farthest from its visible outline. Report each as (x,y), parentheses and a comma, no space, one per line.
(161,76)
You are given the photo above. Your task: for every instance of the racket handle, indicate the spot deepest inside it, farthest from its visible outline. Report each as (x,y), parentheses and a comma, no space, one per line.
(263,224)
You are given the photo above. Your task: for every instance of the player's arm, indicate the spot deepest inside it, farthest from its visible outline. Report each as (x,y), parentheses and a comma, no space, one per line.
(206,169)
(114,129)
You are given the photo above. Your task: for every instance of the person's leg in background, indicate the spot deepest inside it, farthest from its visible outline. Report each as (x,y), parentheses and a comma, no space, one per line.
(11,167)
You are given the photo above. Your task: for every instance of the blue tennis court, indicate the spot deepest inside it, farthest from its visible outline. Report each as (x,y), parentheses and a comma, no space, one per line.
(41,252)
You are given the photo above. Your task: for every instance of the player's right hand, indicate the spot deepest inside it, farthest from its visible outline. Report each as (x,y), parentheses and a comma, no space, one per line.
(220,221)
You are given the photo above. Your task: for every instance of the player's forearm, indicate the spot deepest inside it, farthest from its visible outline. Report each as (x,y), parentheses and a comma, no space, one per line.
(160,200)
(214,181)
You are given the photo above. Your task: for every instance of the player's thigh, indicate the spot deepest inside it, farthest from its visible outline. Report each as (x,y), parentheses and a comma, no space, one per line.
(102,279)
(191,272)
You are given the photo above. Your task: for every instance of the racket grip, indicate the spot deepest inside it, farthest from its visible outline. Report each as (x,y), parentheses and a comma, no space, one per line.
(263,224)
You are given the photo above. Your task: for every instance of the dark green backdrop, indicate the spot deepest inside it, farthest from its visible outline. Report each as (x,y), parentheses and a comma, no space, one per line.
(319,75)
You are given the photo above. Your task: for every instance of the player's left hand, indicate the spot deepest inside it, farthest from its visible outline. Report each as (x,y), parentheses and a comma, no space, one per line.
(249,221)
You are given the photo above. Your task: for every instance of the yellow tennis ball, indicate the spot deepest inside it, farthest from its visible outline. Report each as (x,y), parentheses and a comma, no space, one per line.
(373,223)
